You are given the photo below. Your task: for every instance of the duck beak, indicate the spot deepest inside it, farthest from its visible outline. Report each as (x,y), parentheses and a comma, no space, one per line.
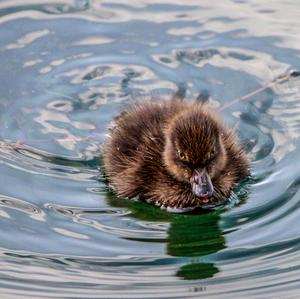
(201,184)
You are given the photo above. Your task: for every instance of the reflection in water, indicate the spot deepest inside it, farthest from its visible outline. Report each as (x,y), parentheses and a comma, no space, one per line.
(195,236)
(191,236)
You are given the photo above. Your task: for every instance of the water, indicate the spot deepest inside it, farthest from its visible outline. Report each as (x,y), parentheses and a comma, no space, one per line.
(67,68)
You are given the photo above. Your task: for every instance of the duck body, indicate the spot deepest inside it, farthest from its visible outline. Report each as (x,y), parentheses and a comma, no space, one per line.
(174,154)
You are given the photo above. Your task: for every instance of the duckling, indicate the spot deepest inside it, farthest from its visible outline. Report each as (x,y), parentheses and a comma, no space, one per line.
(175,154)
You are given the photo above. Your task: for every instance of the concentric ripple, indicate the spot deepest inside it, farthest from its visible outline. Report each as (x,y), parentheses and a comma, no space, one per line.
(67,68)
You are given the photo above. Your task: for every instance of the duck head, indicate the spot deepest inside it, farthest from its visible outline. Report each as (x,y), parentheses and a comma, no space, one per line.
(194,152)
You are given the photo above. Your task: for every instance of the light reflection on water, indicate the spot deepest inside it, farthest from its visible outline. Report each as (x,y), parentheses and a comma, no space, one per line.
(69,67)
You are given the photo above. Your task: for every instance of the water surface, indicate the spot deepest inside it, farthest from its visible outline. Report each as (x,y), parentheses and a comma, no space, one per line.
(67,68)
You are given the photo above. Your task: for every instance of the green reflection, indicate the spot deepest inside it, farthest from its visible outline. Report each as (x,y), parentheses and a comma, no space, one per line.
(195,236)
(197,271)
(191,236)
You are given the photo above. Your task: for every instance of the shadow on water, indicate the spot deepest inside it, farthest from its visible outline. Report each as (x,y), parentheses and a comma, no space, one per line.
(191,236)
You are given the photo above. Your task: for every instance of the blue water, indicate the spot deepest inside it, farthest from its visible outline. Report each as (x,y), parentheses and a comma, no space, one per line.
(67,68)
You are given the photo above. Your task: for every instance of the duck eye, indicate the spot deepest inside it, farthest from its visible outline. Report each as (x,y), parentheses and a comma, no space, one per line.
(213,152)
(181,155)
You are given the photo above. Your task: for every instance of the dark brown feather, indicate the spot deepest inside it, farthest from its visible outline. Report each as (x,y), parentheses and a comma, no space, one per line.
(140,163)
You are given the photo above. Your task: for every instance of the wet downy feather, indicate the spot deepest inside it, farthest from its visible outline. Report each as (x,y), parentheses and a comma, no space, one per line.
(174,154)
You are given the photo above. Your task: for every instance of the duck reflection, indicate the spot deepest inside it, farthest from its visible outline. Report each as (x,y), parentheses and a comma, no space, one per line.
(193,236)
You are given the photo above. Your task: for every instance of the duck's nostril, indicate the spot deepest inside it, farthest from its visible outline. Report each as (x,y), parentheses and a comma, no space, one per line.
(195,180)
